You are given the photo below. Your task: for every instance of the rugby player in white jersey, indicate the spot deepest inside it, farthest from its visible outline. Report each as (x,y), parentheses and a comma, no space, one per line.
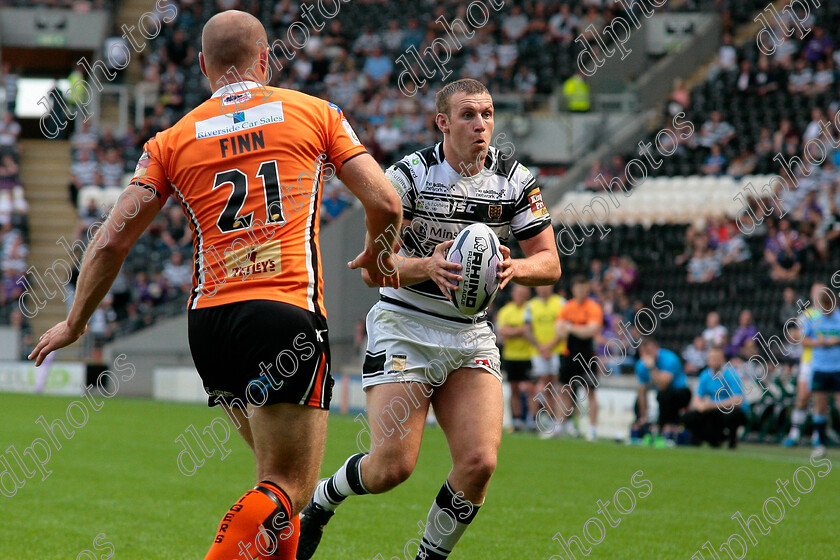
(421,349)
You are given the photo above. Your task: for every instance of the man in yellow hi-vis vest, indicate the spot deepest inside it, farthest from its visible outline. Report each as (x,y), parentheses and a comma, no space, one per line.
(517,352)
(576,91)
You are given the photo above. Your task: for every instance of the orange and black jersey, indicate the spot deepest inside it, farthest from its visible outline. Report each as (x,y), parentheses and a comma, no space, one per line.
(247,167)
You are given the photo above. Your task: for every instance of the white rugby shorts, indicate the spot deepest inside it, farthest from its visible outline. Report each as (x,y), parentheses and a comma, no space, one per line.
(407,347)
(541,366)
(806,372)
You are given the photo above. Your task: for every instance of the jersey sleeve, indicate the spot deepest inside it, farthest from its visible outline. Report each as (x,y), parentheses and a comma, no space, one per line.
(150,172)
(530,214)
(402,178)
(703,385)
(342,142)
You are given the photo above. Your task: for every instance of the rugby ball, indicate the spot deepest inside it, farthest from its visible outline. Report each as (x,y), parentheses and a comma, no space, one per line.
(477,250)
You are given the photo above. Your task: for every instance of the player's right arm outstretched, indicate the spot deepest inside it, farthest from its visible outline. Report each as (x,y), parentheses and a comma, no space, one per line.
(383,218)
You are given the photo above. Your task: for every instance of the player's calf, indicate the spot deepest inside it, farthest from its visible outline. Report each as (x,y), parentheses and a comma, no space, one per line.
(472,472)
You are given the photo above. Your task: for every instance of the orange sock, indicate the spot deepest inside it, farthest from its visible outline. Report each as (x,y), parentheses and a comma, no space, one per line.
(257,526)
(287,548)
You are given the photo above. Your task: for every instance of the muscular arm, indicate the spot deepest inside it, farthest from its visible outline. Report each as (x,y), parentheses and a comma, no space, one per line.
(383,215)
(541,265)
(100,266)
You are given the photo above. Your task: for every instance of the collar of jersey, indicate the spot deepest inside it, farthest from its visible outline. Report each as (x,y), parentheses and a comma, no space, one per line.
(489,161)
(235,87)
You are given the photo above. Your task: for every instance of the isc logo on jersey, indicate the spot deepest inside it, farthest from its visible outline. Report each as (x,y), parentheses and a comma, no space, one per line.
(463,206)
(476,248)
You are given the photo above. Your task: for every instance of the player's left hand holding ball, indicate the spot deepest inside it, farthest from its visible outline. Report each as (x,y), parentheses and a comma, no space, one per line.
(59,336)
(506,267)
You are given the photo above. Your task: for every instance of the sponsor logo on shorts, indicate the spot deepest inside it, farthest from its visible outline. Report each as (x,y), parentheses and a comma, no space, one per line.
(398,363)
(482,362)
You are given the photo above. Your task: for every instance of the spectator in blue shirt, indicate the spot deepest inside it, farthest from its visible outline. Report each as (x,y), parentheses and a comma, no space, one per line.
(378,66)
(822,333)
(717,410)
(661,369)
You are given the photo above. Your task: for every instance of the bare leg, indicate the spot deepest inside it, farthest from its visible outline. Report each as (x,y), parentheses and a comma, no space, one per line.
(469,408)
(396,418)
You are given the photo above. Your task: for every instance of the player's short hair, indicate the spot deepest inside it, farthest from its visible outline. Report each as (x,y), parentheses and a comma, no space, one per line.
(648,341)
(579,279)
(466,85)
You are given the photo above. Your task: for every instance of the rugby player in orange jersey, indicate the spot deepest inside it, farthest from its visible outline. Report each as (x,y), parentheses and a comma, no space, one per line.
(246,167)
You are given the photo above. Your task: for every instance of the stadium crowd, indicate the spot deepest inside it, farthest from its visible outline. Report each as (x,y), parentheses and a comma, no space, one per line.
(14,213)
(525,50)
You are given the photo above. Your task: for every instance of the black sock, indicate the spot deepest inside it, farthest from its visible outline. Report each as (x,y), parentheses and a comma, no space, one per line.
(448,519)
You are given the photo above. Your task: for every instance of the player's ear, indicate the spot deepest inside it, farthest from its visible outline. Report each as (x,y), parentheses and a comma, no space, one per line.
(442,122)
(202,65)
(262,64)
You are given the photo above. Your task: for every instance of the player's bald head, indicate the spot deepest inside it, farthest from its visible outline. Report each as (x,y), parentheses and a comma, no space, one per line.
(232,38)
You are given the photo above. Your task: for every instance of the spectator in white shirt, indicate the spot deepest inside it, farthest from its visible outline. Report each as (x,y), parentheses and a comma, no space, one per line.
(716,131)
(178,273)
(515,25)
(112,169)
(563,25)
(9,131)
(694,356)
(85,138)
(715,334)
(388,136)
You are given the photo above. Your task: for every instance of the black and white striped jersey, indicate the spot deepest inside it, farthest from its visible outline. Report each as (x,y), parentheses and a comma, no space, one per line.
(438,202)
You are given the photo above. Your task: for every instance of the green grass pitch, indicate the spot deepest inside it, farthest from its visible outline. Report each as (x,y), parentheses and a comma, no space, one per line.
(118,476)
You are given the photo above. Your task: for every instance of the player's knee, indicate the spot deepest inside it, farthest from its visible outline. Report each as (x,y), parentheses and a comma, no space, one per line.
(395,474)
(479,467)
